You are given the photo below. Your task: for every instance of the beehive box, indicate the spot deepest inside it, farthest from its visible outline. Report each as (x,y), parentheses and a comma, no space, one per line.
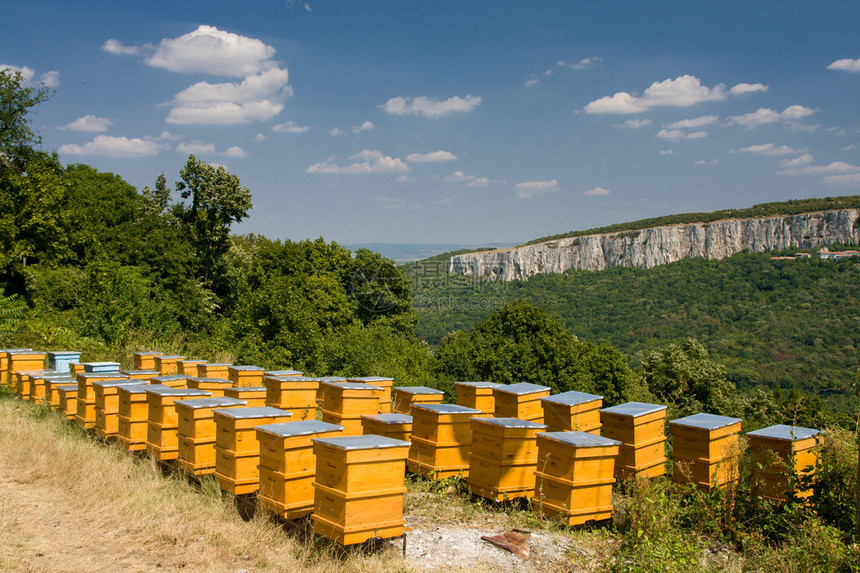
(30,385)
(23,361)
(288,465)
(100,367)
(383,382)
(216,386)
(296,394)
(189,367)
(62,359)
(171,380)
(86,413)
(68,399)
(168,364)
(404,397)
(213,370)
(783,454)
(574,477)
(396,426)
(245,376)
(5,372)
(441,440)
(284,373)
(330,380)
(162,421)
(107,405)
(39,385)
(196,432)
(521,401)
(145,375)
(52,397)
(359,488)
(572,411)
(477,395)
(641,429)
(145,360)
(76,368)
(237,450)
(255,396)
(503,458)
(344,403)
(705,450)
(132,415)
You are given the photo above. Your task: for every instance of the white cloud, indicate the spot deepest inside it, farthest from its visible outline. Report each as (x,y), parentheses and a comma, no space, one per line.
(290,127)
(367,161)
(429,107)
(528,189)
(366,126)
(50,79)
(666,152)
(532,81)
(432,157)
(26,73)
(798,161)
(742,89)
(89,123)
(583,64)
(700,121)
(597,192)
(765,115)
(260,137)
(845,65)
(835,168)
(109,146)
(677,134)
(850,180)
(707,162)
(196,147)
(770,149)
(210,50)
(117,48)
(443,201)
(469,180)
(235,152)
(634,123)
(167,136)
(683,91)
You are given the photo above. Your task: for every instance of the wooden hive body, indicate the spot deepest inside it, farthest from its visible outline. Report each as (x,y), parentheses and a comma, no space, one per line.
(572,411)
(196,432)
(521,401)
(574,477)
(641,429)
(503,457)
(68,400)
(255,396)
(477,395)
(32,387)
(144,360)
(396,426)
(237,450)
(216,386)
(189,367)
(86,412)
(288,465)
(344,403)
(781,455)
(131,417)
(295,394)
(178,381)
(145,375)
(107,405)
(327,380)
(168,365)
(213,370)
(6,361)
(52,397)
(441,440)
(383,382)
(705,450)
(245,376)
(162,421)
(23,361)
(359,488)
(404,397)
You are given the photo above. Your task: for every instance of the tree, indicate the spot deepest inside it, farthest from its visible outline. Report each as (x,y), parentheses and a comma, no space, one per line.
(16,99)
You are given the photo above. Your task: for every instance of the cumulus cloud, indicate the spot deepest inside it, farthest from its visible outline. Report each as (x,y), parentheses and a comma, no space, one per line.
(198,147)
(666,152)
(429,107)
(583,64)
(432,157)
(117,48)
(235,152)
(845,65)
(798,161)
(118,147)
(260,137)
(765,115)
(290,127)
(597,192)
(634,123)
(700,121)
(89,123)
(850,180)
(677,134)
(469,180)
(742,89)
(683,91)
(49,79)
(770,149)
(367,161)
(528,189)
(366,126)
(835,168)
(26,73)
(707,162)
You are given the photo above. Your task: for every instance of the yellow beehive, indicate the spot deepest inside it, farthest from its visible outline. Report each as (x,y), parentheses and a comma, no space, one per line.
(107,405)
(86,413)
(37,382)
(503,458)
(521,401)
(286,373)
(404,397)
(171,380)
(76,368)
(344,403)
(327,379)
(477,395)
(705,450)
(359,488)
(168,364)
(146,375)
(383,382)
(162,421)
(52,397)
(245,376)
(132,415)
(145,360)
(213,370)
(574,477)
(5,371)
(196,432)
(216,386)
(397,426)
(23,361)
(641,429)
(296,394)
(254,396)
(288,465)
(572,411)
(189,367)
(68,399)
(237,450)
(441,440)
(783,454)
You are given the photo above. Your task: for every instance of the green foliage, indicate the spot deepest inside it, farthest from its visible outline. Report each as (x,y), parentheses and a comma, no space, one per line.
(16,100)
(11,311)
(835,483)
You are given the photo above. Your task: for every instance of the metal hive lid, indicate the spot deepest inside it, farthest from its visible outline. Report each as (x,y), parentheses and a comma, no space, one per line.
(132,372)
(361,442)
(418,390)
(258,412)
(446,408)
(390,418)
(634,409)
(112,383)
(511,423)
(521,388)
(169,378)
(478,384)
(245,368)
(162,390)
(572,398)
(706,421)
(303,428)
(353,385)
(283,373)
(212,380)
(369,379)
(213,402)
(783,432)
(580,439)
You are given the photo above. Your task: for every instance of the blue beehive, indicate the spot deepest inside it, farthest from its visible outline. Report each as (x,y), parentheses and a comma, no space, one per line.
(62,360)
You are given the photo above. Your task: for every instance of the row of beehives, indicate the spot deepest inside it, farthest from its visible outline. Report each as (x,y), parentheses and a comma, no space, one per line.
(507,440)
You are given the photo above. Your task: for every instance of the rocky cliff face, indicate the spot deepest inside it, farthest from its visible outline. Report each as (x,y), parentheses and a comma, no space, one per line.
(648,248)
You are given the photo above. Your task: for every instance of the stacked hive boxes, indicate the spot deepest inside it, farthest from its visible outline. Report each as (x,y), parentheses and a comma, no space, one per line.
(327,380)
(196,432)
(782,455)
(237,451)
(32,385)
(359,487)
(189,367)
(5,363)
(162,424)
(255,396)
(574,477)
(22,361)
(705,450)
(503,458)
(477,395)
(132,416)
(62,360)
(397,426)
(572,411)
(107,405)
(441,440)
(171,380)
(216,386)
(296,394)
(521,401)
(288,465)
(381,382)
(168,364)
(641,429)
(145,360)
(86,412)
(407,396)
(245,376)
(344,403)
(67,401)
(213,370)
(52,396)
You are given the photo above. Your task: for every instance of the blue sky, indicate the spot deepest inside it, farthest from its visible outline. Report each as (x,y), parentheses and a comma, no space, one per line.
(455,122)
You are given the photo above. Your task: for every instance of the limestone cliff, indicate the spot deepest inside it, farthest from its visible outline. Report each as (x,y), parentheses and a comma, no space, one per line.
(648,248)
